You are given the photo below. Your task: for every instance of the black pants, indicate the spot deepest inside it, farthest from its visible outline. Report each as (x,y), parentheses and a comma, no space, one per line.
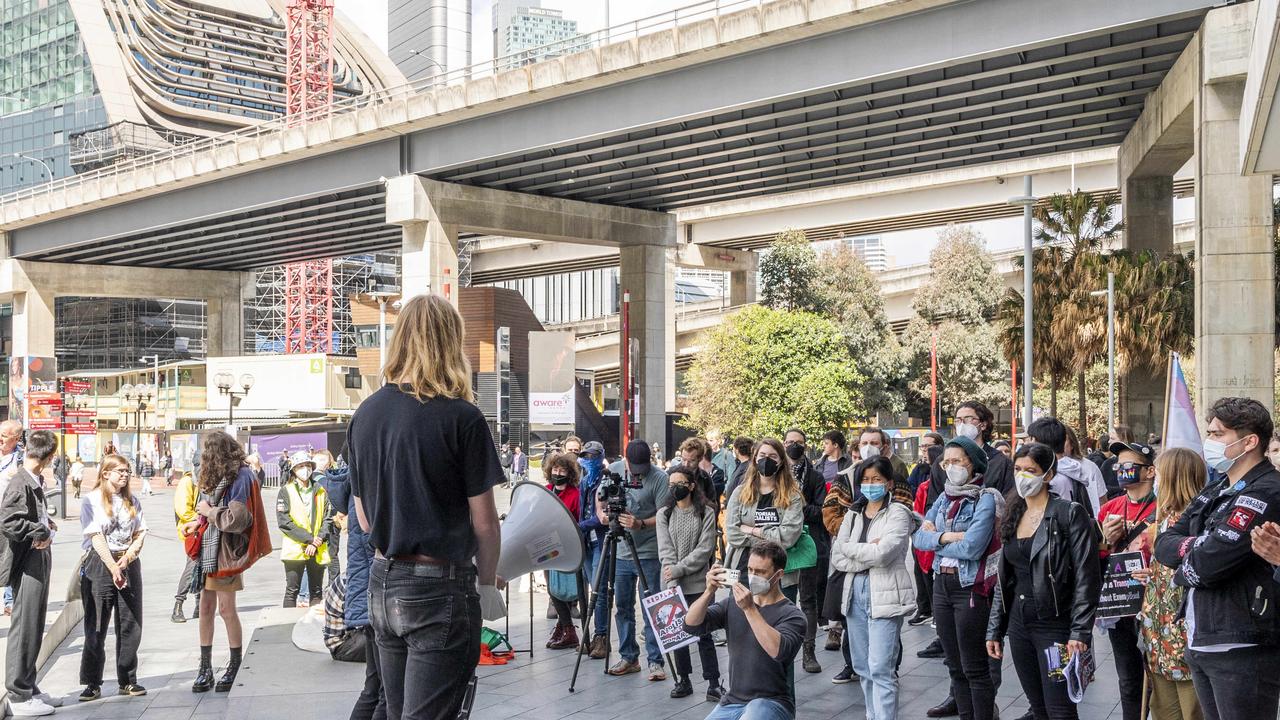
(102,601)
(1029,637)
(813,586)
(564,615)
(428,630)
(30,582)
(924,590)
(334,541)
(372,703)
(961,615)
(184,583)
(1240,684)
(706,653)
(293,571)
(1129,666)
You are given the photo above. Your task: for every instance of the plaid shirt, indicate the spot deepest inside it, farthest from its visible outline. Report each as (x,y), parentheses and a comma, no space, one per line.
(335,630)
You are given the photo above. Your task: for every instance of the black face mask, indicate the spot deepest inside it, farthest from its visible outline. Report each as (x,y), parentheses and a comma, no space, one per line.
(559,480)
(767,467)
(680,492)
(795,452)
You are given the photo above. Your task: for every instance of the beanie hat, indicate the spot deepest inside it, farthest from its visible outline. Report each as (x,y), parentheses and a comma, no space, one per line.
(976,454)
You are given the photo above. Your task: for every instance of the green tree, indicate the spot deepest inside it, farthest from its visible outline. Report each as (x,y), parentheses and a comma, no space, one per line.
(965,287)
(789,272)
(763,370)
(851,296)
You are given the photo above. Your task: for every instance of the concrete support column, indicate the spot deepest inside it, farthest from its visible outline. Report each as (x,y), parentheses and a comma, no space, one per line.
(1148,213)
(224,336)
(648,274)
(429,248)
(33,328)
(742,283)
(1235,280)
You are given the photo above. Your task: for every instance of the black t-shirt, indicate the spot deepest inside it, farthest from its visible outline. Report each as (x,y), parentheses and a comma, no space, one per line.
(414,465)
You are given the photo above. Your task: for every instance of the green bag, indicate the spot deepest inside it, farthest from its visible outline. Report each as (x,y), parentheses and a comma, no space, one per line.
(804,554)
(494,639)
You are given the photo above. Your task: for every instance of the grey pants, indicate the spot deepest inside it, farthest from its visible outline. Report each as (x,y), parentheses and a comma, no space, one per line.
(184,584)
(26,628)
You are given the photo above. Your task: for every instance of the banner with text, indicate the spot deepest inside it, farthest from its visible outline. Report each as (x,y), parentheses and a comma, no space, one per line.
(551,379)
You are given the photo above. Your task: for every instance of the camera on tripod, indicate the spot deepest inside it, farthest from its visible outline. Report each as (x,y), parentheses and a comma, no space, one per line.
(613,493)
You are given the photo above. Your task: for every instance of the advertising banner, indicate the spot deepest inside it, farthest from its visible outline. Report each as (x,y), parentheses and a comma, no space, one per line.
(551,379)
(76,387)
(271,447)
(30,374)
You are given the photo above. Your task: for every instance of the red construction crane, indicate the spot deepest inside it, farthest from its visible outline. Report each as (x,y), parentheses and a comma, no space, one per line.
(308,290)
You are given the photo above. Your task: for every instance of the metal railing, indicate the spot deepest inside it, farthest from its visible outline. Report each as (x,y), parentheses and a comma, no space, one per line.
(666,21)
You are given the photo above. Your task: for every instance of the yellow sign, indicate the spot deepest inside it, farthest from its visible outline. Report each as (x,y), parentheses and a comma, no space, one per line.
(317,366)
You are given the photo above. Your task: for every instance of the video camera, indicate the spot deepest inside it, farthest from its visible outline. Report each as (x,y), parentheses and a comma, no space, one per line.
(613,493)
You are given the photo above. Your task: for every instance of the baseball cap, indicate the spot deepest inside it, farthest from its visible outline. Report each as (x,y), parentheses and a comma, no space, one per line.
(593,449)
(1148,454)
(639,457)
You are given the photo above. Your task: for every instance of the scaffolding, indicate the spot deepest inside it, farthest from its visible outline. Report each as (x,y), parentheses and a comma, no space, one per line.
(111,333)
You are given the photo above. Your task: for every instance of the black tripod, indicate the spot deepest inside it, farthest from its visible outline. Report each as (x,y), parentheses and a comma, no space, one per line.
(603,582)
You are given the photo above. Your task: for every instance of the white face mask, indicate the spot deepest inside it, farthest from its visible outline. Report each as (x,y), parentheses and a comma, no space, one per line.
(1028,484)
(964,429)
(1215,454)
(302,473)
(957,475)
(869,451)
(758,585)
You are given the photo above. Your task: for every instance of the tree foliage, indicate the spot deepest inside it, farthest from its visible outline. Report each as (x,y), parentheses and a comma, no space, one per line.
(763,371)
(965,287)
(789,272)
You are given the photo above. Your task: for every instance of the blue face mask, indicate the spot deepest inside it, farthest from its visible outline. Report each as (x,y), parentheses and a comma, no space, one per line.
(874,493)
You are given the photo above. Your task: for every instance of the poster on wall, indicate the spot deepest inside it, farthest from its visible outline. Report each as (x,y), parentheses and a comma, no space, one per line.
(33,392)
(552,379)
(271,447)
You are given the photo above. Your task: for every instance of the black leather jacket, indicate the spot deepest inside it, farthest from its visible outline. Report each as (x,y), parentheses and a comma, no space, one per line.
(1065,571)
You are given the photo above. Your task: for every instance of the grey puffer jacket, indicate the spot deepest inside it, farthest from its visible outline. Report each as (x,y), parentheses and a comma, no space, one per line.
(885,556)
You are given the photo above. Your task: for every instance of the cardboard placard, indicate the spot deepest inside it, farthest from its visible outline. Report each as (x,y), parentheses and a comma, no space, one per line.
(1121,595)
(665,611)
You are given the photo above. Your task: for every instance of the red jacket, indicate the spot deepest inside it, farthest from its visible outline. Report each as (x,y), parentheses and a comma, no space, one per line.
(569,496)
(924,558)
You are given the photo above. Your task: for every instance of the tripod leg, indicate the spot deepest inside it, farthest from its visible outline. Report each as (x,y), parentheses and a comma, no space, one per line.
(610,578)
(645,592)
(588,616)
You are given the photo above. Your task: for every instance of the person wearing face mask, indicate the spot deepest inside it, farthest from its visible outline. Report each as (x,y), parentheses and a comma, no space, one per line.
(305,518)
(930,455)
(960,530)
(1273,450)
(561,473)
(813,581)
(871,550)
(742,453)
(1049,582)
(976,422)
(1233,624)
(1072,479)
(591,465)
(686,546)
(874,442)
(768,506)
(765,631)
(1125,520)
(327,477)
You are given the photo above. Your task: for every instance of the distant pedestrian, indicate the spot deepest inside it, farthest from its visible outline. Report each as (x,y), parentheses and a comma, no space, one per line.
(323,477)
(148,473)
(77,474)
(185,497)
(519,465)
(114,530)
(305,517)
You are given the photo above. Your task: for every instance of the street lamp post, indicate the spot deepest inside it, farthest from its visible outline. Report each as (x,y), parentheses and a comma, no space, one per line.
(224,382)
(140,394)
(1110,292)
(48,171)
(1026,200)
(382,296)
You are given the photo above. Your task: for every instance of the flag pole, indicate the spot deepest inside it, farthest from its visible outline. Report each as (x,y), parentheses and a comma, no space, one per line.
(1168,393)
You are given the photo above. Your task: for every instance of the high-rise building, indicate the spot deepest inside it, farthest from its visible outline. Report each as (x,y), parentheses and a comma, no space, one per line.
(429,37)
(86,83)
(869,249)
(534,33)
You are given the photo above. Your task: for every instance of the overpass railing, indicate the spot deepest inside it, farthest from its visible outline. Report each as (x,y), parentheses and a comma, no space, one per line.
(625,32)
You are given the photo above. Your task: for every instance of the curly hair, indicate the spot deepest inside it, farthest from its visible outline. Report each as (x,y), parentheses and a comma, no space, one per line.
(220,459)
(565,462)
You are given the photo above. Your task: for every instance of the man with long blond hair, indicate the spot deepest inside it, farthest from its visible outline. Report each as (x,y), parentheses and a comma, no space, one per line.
(423,467)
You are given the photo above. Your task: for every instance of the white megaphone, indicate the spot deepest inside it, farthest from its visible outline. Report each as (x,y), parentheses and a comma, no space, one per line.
(538,533)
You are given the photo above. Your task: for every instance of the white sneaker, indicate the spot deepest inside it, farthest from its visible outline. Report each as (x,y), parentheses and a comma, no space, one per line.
(31,708)
(48,699)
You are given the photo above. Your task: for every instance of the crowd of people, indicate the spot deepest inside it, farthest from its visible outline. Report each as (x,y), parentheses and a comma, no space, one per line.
(1001,547)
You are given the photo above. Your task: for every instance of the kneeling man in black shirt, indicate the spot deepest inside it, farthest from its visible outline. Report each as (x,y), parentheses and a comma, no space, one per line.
(765,631)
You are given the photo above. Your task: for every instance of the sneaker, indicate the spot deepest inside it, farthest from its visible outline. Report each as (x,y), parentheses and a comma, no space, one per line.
(919,619)
(657,673)
(683,689)
(844,676)
(834,635)
(134,690)
(624,667)
(30,708)
(597,650)
(714,692)
(48,699)
(933,651)
(92,692)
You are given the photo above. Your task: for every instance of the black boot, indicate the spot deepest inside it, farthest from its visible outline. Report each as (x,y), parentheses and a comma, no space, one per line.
(195,612)
(204,676)
(229,677)
(810,661)
(177,615)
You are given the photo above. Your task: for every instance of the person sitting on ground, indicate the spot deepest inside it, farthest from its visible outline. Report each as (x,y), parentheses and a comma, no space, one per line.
(765,632)
(346,644)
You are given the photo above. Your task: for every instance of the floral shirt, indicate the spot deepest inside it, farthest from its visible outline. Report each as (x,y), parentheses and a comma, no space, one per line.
(1163,634)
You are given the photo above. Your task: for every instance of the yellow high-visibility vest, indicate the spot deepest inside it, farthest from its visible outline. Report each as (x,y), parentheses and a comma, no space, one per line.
(310,518)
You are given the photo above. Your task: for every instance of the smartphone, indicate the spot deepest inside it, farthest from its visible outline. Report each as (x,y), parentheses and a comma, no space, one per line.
(122,584)
(729,577)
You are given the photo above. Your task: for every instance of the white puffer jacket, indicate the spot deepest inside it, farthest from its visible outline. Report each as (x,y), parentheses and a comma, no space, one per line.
(893,589)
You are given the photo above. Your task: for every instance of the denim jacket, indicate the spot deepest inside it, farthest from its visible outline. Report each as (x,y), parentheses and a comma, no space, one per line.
(975,519)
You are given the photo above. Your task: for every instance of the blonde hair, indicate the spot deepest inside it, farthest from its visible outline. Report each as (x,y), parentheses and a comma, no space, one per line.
(785,487)
(425,357)
(1181,474)
(109,463)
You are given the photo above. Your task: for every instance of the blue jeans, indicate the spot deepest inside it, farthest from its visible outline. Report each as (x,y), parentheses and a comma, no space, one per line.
(428,636)
(873,642)
(758,709)
(624,600)
(589,565)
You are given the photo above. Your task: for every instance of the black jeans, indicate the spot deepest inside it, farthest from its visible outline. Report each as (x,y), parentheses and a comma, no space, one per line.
(293,571)
(961,615)
(1130,666)
(101,601)
(428,630)
(706,653)
(372,703)
(924,590)
(1239,684)
(813,586)
(1029,637)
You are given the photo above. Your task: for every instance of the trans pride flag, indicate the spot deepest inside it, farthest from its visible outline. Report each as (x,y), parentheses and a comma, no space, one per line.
(1180,426)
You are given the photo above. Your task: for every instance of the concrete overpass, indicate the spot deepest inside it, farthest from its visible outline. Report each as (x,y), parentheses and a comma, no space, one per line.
(740,100)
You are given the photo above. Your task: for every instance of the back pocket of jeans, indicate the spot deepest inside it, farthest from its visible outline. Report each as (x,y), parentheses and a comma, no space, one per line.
(423,623)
